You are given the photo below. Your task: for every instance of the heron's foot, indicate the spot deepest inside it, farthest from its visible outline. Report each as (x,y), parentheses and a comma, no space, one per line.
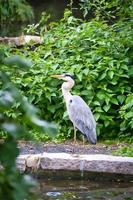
(75,141)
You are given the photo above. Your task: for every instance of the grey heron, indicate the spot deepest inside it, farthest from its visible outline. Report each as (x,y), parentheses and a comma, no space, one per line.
(79,112)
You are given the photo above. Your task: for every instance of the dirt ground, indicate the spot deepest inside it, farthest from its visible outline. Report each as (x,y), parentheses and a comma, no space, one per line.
(67,147)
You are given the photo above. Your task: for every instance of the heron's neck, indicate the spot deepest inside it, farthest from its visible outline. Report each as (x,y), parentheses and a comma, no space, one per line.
(66,94)
(66,87)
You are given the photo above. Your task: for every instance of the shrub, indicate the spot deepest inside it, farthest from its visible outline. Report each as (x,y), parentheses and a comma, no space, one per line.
(13,185)
(12,10)
(106,9)
(100,57)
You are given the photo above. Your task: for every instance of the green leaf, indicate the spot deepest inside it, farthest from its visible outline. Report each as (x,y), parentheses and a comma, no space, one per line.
(44,125)
(129,100)
(18,61)
(101,95)
(79,76)
(106,123)
(114,101)
(98,109)
(70,19)
(106,107)
(107,100)
(8,152)
(114,82)
(129,114)
(121,98)
(97,103)
(86,71)
(6,99)
(13,129)
(102,76)
(85,92)
(130,72)
(97,116)
(65,115)
(52,108)
(111,74)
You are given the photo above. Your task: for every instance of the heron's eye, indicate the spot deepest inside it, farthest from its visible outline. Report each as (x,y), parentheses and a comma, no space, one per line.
(69,75)
(71,101)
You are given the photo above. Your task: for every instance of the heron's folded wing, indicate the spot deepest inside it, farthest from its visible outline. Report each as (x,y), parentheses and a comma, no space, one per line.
(80,114)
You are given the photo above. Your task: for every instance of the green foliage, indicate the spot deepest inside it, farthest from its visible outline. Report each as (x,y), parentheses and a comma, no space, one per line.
(126,114)
(124,151)
(99,55)
(40,27)
(107,9)
(14,10)
(13,185)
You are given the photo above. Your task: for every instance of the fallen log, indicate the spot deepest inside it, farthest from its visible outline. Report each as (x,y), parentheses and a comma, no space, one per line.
(21,40)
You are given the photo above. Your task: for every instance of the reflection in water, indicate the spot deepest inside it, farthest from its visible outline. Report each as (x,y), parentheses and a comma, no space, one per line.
(53,194)
(84,190)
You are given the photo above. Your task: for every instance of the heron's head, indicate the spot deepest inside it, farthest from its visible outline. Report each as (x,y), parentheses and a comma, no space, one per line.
(68,78)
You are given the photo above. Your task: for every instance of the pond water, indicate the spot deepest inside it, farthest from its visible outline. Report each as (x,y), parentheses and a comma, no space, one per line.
(71,190)
(84,190)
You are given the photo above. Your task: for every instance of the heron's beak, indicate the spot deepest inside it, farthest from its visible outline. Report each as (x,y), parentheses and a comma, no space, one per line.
(57,76)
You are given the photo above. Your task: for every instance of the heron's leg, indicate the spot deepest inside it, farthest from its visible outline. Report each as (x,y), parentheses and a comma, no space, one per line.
(75,138)
(83,138)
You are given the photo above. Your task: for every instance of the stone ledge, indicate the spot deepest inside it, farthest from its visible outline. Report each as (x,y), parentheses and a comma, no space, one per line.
(74,162)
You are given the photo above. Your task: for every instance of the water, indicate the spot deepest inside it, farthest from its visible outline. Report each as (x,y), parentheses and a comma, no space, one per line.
(59,189)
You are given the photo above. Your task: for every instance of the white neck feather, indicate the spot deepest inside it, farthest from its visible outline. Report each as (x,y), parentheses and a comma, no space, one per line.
(66,87)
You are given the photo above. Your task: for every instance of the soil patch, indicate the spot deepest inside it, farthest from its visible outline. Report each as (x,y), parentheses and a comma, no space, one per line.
(67,147)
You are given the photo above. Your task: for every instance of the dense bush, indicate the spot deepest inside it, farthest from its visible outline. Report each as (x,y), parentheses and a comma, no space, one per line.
(124,151)
(13,11)
(100,56)
(13,185)
(14,14)
(106,9)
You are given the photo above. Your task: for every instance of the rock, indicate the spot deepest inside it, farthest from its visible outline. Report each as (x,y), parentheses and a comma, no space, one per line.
(75,162)
(21,40)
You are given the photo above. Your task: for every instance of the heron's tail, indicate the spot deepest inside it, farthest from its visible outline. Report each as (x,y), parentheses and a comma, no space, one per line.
(91,136)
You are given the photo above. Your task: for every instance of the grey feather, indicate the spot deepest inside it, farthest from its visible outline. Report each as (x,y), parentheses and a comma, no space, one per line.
(82,117)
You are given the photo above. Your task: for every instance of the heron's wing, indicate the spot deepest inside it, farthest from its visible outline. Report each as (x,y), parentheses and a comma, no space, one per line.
(82,117)
(79,110)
